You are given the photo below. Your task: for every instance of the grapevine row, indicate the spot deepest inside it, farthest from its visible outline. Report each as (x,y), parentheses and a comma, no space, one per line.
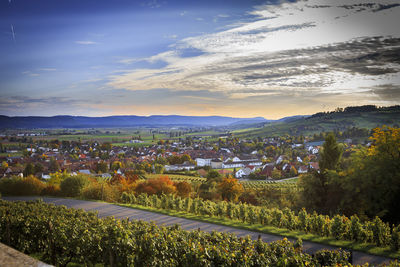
(62,236)
(339,227)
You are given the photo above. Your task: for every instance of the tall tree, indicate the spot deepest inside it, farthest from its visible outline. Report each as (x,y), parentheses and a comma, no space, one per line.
(331,153)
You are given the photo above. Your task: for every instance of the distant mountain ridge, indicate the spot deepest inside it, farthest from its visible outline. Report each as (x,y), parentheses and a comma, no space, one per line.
(29,122)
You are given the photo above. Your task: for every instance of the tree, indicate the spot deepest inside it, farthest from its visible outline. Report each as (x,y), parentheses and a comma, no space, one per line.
(276,174)
(158,168)
(213,175)
(230,189)
(116,165)
(183,189)
(373,179)
(4,165)
(38,167)
(54,166)
(101,167)
(73,185)
(321,191)
(331,153)
(29,170)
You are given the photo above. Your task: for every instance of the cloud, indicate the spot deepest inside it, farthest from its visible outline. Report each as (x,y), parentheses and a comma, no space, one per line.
(293,50)
(87,42)
(30,73)
(47,69)
(153,4)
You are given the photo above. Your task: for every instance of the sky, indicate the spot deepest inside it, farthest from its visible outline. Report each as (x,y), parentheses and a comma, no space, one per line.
(211,57)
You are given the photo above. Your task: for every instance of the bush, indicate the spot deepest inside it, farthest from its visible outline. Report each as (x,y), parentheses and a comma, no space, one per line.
(105,192)
(73,185)
(17,186)
(332,257)
(51,190)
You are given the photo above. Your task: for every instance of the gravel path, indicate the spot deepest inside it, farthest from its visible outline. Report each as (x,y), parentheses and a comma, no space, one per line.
(105,209)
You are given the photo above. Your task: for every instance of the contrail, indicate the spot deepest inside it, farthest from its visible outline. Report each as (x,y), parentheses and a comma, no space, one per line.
(13,33)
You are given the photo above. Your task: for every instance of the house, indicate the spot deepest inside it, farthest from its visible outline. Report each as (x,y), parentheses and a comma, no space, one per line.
(203,162)
(302,169)
(84,172)
(216,164)
(179,167)
(45,176)
(267,169)
(314,165)
(243,172)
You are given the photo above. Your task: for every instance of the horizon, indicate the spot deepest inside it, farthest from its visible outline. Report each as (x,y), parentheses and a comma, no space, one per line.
(241,59)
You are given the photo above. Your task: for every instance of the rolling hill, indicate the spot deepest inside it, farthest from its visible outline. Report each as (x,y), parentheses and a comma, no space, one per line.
(358,117)
(120,121)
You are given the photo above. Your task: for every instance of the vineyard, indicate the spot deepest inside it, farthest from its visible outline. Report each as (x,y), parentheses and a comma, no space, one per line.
(339,227)
(62,236)
(178,178)
(259,185)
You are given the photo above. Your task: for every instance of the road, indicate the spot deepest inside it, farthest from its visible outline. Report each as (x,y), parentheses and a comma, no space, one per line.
(106,209)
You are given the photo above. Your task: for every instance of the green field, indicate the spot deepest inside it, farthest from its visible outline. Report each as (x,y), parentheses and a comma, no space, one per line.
(326,123)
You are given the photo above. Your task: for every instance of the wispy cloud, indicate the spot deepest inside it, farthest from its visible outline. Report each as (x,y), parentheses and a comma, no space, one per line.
(87,42)
(47,69)
(291,49)
(30,73)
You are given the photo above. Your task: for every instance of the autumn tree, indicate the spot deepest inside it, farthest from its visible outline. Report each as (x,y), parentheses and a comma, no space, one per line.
(373,180)
(230,189)
(183,189)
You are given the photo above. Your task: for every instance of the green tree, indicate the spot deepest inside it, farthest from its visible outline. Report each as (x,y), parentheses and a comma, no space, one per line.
(29,170)
(322,190)
(331,153)
(101,167)
(38,167)
(73,185)
(54,166)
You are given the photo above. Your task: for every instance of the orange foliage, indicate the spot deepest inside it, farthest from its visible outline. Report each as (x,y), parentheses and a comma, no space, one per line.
(183,189)
(230,189)
(162,185)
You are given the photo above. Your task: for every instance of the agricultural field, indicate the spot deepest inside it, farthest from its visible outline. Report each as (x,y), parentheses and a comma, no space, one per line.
(259,185)
(177,177)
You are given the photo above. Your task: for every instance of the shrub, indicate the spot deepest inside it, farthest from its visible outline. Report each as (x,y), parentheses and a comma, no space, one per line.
(183,189)
(101,191)
(21,186)
(159,186)
(73,185)
(332,257)
(51,190)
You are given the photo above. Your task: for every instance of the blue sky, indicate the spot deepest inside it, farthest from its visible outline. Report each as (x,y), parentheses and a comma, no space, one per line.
(235,58)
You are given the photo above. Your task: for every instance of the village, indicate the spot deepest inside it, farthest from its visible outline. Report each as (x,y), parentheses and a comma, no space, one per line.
(260,159)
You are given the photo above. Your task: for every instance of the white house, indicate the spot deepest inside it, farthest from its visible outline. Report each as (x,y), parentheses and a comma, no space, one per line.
(203,162)
(178,167)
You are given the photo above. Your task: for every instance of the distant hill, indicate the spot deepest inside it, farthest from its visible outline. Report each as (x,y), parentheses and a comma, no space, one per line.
(367,117)
(120,121)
